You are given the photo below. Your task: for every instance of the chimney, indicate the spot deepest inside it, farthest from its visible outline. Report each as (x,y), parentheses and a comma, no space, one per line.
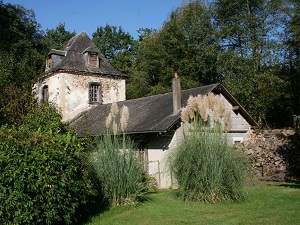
(176,93)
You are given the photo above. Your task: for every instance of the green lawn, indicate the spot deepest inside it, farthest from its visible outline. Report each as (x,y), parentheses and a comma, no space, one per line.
(265,204)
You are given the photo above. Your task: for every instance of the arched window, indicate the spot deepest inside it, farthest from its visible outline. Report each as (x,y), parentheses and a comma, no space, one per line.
(94,93)
(45,94)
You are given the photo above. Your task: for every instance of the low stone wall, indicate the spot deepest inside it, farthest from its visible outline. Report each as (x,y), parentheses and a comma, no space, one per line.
(274,154)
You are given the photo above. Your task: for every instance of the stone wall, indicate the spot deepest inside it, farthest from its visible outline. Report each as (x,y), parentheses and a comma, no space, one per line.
(274,154)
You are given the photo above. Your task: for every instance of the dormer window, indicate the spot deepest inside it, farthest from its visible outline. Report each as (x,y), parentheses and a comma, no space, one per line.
(94,93)
(93,60)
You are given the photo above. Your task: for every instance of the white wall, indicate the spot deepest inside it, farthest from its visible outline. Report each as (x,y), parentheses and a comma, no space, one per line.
(70,93)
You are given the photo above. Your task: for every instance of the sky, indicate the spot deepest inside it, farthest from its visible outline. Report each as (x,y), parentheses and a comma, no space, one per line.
(87,15)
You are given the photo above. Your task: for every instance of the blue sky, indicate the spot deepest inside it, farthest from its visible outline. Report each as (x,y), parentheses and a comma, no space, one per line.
(87,15)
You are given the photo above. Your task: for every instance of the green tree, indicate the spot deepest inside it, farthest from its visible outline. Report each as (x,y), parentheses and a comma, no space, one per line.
(116,45)
(56,38)
(291,40)
(185,44)
(248,32)
(20,60)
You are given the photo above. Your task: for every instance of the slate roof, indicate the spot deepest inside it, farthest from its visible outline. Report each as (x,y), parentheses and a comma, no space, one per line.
(153,114)
(73,59)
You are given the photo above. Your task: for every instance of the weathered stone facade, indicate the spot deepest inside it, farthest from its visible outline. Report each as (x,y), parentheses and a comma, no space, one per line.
(274,154)
(70,92)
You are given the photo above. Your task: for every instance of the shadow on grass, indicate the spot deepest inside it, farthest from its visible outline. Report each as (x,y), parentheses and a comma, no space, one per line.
(96,206)
(291,185)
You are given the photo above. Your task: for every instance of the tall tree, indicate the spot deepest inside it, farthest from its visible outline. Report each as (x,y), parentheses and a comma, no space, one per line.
(185,44)
(248,35)
(56,38)
(291,40)
(20,60)
(117,46)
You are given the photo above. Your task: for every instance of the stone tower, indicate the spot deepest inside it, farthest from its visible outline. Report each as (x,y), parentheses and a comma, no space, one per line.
(78,78)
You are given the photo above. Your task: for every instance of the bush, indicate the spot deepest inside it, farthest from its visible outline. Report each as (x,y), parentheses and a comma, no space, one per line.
(206,168)
(42,177)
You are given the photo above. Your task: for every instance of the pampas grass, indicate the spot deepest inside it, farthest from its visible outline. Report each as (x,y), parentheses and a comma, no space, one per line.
(206,168)
(117,166)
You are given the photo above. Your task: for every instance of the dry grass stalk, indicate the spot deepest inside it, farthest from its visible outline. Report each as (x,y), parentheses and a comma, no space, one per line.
(202,104)
(108,121)
(114,109)
(227,121)
(124,117)
(184,115)
(115,127)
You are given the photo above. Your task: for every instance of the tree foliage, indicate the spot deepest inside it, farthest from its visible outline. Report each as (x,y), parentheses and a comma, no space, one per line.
(291,54)
(117,46)
(185,44)
(21,60)
(42,179)
(56,38)
(248,34)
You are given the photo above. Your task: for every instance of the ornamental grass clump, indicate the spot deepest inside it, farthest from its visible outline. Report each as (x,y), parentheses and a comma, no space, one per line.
(118,168)
(207,169)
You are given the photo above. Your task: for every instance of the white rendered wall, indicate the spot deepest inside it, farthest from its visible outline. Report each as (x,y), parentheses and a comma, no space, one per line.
(70,93)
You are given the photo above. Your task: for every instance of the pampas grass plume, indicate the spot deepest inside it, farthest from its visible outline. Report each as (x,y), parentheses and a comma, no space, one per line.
(124,117)
(114,109)
(184,115)
(108,121)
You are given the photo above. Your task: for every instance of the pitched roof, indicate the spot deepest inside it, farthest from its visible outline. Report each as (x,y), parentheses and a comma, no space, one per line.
(73,59)
(153,114)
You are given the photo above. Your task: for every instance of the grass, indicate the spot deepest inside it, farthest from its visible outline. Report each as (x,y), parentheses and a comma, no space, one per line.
(265,204)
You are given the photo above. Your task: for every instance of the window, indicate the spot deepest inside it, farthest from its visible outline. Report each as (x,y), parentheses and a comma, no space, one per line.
(94,93)
(45,94)
(93,60)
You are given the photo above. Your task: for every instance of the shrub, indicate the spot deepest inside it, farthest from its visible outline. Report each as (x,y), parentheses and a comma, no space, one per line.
(42,177)
(206,168)
(117,166)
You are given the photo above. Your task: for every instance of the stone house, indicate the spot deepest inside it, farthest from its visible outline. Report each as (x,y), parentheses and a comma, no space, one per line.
(78,78)
(82,83)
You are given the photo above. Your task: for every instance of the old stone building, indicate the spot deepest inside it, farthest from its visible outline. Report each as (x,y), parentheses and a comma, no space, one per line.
(78,78)
(82,84)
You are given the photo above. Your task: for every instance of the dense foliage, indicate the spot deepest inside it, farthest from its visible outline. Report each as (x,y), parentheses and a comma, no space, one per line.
(42,175)
(116,45)
(20,60)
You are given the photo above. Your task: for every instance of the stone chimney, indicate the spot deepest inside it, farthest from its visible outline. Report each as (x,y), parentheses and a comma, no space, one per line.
(176,93)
